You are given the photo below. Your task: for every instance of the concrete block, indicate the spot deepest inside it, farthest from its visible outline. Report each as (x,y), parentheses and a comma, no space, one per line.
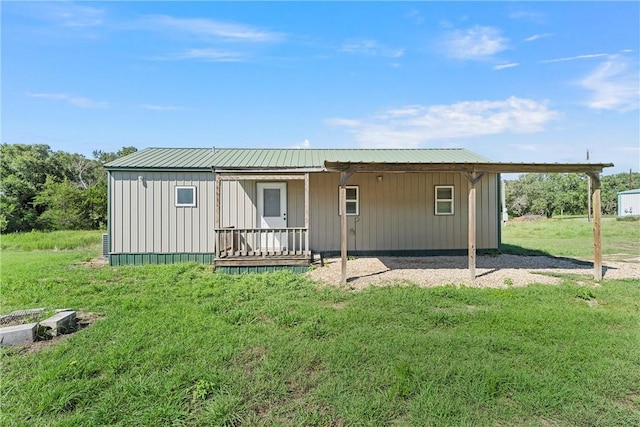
(20,334)
(61,322)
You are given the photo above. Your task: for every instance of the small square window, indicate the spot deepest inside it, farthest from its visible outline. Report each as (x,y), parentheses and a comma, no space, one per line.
(444,200)
(186,196)
(353,200)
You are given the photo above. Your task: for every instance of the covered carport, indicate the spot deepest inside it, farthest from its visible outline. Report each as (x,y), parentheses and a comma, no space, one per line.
(473,173)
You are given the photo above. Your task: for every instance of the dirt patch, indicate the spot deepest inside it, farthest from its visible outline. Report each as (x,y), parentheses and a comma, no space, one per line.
(631,401)
(499,271)
(96,263)
(526,218)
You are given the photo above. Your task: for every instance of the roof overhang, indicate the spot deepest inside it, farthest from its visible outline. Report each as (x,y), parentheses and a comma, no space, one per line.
(265,170)
(153,169)
(487,167)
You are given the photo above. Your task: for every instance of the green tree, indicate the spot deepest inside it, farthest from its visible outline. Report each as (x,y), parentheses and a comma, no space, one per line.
(23,171)
(40,189)
(547,194)
(611,185)
(64,206)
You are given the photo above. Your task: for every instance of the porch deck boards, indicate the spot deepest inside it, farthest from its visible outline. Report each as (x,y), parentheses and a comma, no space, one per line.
(262,260)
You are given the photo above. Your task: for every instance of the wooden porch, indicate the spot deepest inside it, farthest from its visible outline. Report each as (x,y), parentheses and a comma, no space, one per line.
(259,247)
(262,246)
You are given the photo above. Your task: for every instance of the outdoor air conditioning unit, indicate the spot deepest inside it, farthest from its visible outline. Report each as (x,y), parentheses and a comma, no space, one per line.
(105,245)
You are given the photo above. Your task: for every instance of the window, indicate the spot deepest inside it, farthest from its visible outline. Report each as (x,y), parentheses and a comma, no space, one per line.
(271,202)
(353,200)
(444,200)
(185,196)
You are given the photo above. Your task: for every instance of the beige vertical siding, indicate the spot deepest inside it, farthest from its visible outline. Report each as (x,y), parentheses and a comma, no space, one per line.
(144,218)
(239,199)
(397,213)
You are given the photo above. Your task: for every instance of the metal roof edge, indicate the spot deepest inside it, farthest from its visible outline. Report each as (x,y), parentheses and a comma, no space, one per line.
(155,169)
(267,170)
(492,167)
(632,191)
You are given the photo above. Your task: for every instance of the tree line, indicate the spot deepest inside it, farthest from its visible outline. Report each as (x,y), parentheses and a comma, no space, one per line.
(551,194)
(45,190)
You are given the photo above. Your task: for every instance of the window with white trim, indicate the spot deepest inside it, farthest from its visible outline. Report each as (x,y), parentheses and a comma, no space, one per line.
(185,195)
(353,200)
(444,200)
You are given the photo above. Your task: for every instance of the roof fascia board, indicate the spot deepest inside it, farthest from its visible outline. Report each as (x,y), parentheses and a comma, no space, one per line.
(488,167)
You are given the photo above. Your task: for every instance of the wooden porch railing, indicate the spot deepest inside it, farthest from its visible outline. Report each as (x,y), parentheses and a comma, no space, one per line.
(259,242)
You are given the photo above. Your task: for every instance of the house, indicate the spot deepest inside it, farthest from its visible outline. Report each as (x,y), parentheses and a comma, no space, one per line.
(629,203)
(266,208)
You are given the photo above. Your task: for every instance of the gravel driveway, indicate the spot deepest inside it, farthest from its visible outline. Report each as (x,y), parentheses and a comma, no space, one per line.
(498,271)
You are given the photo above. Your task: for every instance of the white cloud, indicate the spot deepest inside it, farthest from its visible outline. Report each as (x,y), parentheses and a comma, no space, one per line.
(211,55)
(475,43)
(529,15)
(77,101)
(573,58)
(504,66)
(614,85)
(413,125)
(211,28)
(370,47)
(305,144)
(537,37)
(156,107)
(415,16)
(65,14)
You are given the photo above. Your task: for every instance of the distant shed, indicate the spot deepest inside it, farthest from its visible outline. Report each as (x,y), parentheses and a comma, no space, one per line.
(629,203)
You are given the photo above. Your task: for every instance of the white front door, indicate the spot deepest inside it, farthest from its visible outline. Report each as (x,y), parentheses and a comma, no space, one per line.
(272,213)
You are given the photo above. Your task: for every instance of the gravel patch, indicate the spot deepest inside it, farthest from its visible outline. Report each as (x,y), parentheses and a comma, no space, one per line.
(499,271)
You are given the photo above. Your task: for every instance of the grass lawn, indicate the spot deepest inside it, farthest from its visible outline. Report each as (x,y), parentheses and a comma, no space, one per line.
(178,345)
(572,237)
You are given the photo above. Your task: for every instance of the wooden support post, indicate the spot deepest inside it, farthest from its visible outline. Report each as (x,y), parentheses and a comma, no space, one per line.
(306,212)
(473,179)
(216,212)
(344,177)
(472,231)
(597,218)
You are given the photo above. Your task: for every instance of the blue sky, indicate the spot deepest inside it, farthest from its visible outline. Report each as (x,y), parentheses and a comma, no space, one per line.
(513,81)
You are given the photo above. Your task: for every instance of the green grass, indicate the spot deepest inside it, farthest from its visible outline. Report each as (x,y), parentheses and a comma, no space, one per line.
(178,345)
(41,240)
(571,237)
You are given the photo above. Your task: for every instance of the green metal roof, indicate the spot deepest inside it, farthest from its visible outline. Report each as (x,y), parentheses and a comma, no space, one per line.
(244,158)
(165,158)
